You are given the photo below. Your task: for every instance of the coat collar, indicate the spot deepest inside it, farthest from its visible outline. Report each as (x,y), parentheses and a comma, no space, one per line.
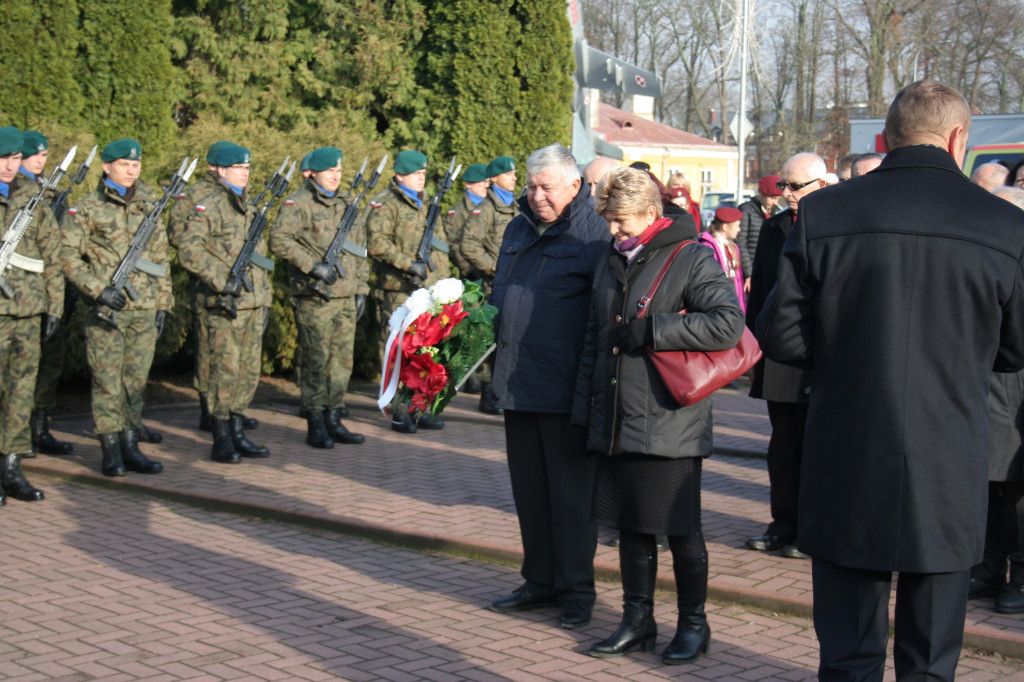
(668,237)
(918,155)
(579,203)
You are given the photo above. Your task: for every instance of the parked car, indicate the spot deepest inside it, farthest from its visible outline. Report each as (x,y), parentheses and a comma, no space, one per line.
(712,200)
(1008,154)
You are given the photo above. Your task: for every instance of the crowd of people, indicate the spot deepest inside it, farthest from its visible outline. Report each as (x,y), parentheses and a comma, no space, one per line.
(887,299)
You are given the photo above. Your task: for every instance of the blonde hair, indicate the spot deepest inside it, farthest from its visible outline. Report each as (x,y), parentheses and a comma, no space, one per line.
(626,191)
(678,179)
(924,111)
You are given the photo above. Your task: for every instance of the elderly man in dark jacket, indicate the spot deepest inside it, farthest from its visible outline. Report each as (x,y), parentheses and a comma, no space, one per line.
(901,307)
(542,286)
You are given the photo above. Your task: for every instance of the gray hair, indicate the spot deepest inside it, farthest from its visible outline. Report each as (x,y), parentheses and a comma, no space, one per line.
(1015,195)
(816,167)
(557,157)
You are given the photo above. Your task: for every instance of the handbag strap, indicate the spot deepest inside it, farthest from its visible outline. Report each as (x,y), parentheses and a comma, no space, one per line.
(645,300)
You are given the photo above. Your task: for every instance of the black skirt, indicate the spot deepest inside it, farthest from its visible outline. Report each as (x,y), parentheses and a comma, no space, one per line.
(648,494)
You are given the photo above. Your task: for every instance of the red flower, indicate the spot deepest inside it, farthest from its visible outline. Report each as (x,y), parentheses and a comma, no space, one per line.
(420,402)
(422,374)
(423,332)
(450,317)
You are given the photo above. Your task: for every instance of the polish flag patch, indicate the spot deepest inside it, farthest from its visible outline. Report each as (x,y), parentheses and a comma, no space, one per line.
(200,208)
(451,212)
(476,212)
(288,202)
(181,196)
(375,204)
(72,211)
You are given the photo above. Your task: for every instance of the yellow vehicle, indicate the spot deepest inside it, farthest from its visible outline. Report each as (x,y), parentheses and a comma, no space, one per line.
(1008,154)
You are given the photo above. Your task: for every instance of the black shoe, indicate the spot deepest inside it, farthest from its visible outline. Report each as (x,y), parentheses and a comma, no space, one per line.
(692,639)
(792,552)
(638,629)
(575,614)
(472,386)
(113,464)
(661,543)
(337,430)
(767,543)
(488,402)
(244,446)
(980,588)
(402,421)
(343,413)
(148,435)
(133,458)
(1010,599)
(316,432)
(14,483)
(522,600)
(223,448)
(42,439)
(429,423)
(250,423)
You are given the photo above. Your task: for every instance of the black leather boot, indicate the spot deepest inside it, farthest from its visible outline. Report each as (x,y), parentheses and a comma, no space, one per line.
(337,430)
(205,418)
(429,422)
(250,423)
(244,446)
(693,636)
(148,435)
(113,464)
(223,447)
(132,457)
(316,433)
(638,628)
(402,421)
(14,483)
(42,439)
(488,403)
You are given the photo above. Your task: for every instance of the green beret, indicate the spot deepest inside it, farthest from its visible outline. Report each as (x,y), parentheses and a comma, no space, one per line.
(212,153)
(122,149)
(35,143)
(10,141)
(410,161)
(304,166)
(229,154)
(502,164)
(475,173)
(324,158)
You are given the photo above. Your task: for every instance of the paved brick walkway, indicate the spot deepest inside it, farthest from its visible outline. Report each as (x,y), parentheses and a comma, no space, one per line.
(122,581)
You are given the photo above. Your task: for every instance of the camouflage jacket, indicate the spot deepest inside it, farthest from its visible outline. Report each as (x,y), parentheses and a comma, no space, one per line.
(214,235)
(35,293)
(481,236)
(453,224)
(394,228)
(178,213)
(97,233)
(304,228)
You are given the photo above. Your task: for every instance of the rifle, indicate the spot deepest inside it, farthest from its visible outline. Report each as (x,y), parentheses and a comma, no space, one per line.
(348,219)
(358,179)
(275,179)
(429,241)
(133,260)
(248,255)
(12,237)
(60,202)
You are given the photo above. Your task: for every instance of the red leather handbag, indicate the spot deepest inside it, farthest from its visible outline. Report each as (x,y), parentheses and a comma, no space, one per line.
(692,375)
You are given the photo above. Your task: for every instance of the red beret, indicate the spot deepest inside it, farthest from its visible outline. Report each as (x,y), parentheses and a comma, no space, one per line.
(679,192)
(727,214)
(767,186)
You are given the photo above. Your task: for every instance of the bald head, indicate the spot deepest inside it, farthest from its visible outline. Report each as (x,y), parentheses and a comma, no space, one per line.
(1015,195)
(802,174)
(990,175)
(597,169)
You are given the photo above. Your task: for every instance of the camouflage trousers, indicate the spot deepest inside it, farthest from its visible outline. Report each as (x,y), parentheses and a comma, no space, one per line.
(201,379)
(235,358)
(51,365)
(327,333)
(19,361)
(119,361)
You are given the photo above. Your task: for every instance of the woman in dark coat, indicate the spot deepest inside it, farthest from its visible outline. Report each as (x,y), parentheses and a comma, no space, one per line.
(649,447)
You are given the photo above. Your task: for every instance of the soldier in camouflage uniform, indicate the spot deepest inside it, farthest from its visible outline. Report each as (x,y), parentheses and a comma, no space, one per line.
(97,234)
(34,152)
(394,229)
(475,180)
(303,230)
(481,242)
(214,235)
(176,220)
(34,308)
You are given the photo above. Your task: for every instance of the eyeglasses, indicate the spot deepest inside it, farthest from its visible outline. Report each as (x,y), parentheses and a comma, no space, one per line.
(794,186)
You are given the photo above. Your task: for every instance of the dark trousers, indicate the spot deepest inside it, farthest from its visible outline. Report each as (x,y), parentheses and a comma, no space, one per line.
(785,452)
(553,484)
(851,619)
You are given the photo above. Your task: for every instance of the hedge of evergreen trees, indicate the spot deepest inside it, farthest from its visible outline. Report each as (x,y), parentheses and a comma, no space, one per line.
(474,78)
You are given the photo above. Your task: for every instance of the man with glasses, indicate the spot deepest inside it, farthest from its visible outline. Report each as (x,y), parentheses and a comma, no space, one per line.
(784,388)
(215,231)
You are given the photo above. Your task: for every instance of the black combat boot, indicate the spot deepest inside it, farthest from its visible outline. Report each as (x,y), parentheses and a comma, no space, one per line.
(1011,596)
(693,636)
(244,446)
(250,423)
(148,435)
(205,418)
(14,483)
(223,447)
(132,457)
(638,628)
(42,439)
(428,422)
(402,421)
(316,432)
(113,464)
(489,403)
(338,431)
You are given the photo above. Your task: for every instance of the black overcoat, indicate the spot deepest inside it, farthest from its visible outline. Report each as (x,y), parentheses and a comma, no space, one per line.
(902,290)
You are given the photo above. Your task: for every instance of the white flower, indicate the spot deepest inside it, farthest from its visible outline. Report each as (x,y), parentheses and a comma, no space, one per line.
(447,291)
(397,317)
(418,303)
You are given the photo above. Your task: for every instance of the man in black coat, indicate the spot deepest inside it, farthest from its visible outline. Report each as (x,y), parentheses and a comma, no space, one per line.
(901,290)
(542,287)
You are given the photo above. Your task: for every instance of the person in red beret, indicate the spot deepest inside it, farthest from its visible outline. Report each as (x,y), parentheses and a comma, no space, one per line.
(680,196)
(755,211)
(722,239)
